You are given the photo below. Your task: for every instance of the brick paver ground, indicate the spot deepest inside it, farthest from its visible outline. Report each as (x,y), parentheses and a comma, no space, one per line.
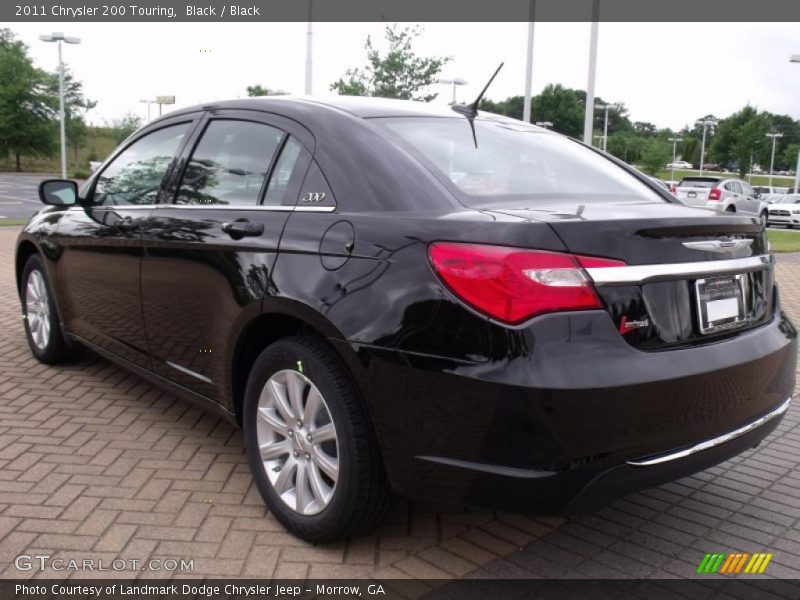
(97,463)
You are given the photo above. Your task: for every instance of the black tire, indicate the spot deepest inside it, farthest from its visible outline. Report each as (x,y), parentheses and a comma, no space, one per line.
(765,219)
(53,347)
(361,494)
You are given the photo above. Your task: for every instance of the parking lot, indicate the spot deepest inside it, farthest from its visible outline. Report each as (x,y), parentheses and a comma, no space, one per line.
(96,463)
(18,195)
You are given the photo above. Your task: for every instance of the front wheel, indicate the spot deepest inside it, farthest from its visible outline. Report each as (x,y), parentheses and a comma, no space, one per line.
(310,444)
(42,324)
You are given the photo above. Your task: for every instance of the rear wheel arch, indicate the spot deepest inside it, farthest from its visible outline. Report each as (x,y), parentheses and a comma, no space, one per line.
(270,327)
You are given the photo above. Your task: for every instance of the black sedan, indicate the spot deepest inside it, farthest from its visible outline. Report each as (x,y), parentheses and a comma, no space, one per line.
(386,295)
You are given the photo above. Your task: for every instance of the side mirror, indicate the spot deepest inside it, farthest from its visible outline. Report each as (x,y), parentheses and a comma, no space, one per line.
(58,192)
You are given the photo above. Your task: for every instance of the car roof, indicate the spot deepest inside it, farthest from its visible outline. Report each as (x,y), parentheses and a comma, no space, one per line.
(359,106)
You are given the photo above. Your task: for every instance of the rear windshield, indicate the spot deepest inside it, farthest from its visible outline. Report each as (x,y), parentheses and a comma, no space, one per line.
(698,182)
(507,160)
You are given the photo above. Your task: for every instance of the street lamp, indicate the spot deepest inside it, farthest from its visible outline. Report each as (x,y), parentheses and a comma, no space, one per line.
(774,137)
(706,123)
(588,116)
(309,37)
(148,102)
(59,37)
(526,102)
(454,83)
(605,107)
(674,148)
(544,124)
(795,58)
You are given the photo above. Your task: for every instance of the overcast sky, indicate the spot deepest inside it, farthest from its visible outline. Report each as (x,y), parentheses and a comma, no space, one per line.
(665,73)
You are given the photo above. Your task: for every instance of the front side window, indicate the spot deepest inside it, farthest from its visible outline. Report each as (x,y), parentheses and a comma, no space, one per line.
(229,164)
(512,161)
(136,175)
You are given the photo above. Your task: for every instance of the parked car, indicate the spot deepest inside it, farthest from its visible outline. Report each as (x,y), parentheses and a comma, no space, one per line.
(721,194)
(785,211)
(712,167)
(385,294)
(680,164)
(94,165)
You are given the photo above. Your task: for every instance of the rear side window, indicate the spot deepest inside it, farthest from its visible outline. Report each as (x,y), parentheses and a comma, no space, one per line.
(286,175)
(510,160)
(136,174)
(229,165)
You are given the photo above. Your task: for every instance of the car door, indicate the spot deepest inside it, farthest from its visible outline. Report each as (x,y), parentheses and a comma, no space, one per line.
(749,198)
(100,243)
(209,252)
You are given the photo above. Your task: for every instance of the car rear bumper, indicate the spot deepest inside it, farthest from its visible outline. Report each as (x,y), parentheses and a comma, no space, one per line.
(568,426)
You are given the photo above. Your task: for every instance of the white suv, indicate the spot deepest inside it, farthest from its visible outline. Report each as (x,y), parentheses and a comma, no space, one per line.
(723,195)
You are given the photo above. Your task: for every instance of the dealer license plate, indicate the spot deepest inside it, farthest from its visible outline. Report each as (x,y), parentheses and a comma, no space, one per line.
(721,303)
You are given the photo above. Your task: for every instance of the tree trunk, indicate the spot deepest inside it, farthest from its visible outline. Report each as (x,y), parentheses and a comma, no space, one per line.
(19,166)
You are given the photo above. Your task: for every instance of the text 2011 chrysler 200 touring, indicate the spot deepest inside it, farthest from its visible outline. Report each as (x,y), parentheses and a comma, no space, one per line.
(387,295)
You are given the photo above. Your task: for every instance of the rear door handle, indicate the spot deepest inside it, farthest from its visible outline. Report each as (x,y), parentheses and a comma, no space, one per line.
(242,227)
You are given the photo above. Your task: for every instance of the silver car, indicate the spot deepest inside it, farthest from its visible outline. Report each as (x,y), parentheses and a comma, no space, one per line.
(723,195)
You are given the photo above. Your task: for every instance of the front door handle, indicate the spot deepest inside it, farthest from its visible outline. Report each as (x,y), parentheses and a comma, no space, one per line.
(242,227)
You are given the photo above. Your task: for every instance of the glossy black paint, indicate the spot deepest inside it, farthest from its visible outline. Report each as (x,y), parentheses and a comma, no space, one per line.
(465,409)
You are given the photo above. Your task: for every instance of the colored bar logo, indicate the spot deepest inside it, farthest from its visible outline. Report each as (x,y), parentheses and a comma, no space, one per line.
(734,563)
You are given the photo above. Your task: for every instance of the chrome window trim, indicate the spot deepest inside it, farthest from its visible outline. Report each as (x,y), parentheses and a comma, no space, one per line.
(207,207)
(705,445)
(636,274)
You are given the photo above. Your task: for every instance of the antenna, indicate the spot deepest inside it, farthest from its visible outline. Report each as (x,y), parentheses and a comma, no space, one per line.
(471,110)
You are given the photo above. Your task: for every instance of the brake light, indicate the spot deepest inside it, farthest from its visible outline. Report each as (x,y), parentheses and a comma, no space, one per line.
(673,189)
(515,284)
(715,194)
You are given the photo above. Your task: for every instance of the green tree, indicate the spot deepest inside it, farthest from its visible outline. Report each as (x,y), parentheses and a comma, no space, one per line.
(124,126)
(563,107)
(27,109)
(75,108)
(655,155)
(257,90)
(510,107)
(399,73)
(737,136)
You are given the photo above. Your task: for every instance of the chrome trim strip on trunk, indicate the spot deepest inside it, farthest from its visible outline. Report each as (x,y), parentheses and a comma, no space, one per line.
(189,372)
(705,445)
(635,274)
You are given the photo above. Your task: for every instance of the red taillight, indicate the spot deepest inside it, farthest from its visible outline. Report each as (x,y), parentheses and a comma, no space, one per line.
(673,189)
(715,194)
(514,284)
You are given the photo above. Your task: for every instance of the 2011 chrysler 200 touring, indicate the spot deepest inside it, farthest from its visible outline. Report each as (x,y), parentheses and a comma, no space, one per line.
(387,295)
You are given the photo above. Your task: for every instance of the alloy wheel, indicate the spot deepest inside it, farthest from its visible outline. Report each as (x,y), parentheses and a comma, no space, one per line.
(37,309)
(297,442)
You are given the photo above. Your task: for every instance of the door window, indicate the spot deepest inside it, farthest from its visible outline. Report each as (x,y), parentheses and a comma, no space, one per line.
(230,164)
(284,174)
(136,175)
(736,187)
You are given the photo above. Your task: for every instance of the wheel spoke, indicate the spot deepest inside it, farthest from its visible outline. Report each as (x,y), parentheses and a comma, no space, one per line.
(270,417)
(273,450)
(295,387)
(319,488)
(313,403)
(278,391)
(286,475)
(326,433)
(328,464)
(301,486)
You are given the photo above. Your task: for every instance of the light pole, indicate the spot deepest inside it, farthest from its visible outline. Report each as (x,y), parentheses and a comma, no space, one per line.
(674,149)
(149,103)
(544,124)
(309,35)
(605,107)
(706,123)
(59,37)
(795,58)
(588,117)
(774,136)
(526,103)
(454,82)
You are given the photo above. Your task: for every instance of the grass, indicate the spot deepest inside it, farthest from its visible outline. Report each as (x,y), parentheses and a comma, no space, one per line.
(777,180)
(784,241)
(12,222)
